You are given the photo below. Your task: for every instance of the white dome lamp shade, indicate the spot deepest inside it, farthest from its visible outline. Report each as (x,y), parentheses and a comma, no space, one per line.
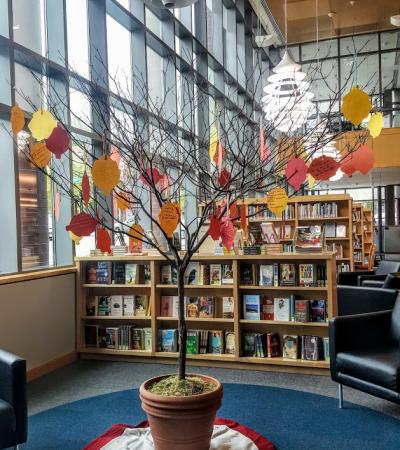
(169,4)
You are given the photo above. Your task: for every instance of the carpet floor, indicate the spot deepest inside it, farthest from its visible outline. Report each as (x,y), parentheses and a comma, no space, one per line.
(292,420)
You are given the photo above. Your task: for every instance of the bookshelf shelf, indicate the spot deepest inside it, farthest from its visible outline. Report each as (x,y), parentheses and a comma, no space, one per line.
(284,362)
(197,319)
(109,351)
(117,286)
(125,318)
(204,356)
(197,286)
(323,219)
(281,322)
(281,288)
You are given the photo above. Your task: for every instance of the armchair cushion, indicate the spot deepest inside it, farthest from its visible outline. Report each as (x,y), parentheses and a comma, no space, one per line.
(386,267)
(358,300)
(380,366)
(7,418)
(373,283)
(351,278)
(362,278)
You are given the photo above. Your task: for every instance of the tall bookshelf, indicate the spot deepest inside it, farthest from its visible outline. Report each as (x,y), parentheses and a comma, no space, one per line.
(358,234)
(368,234)
(237,324)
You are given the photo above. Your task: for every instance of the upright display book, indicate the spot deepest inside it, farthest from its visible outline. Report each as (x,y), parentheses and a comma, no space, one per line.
(227,274)
(167,274)
(91,305)
(206,307)
(148,338)
(307,275)
(192,273)
(204,275)
(112,337)
(104,305)
(309,240)
(129,305)
(118,272)
(215,274)
(248,344)
(318,310)
(310,348)
(167,340)
(116,305)
(192,307)
(141,305)
(267,308)
(340,231)
(287,275)
(137,338)
(269,234)
(166,306)
(216,341)
(192,342)
(227,307)
(91,338)
(251,307)
(131,273)
(103,272)
(91,273)
(290,346)
(302,313)
(266,275)
(326,349)
(273,345)
(247,274)
(282,309)
(203,347)
(230,342)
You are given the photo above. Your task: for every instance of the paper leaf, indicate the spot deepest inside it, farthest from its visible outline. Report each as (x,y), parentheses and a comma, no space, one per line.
(74,237)
(58,141)
(362,160)
(105,174)
(169,218)
(264,150)
(310,181)
(42,124)
(224,178)
(17,119)
(215,228)
(234,211)
(57,201)
(136,233)
(219,155)
(82,224)
(153,174)
(40,155)
(213,142)
(296,171)
(123,202)
(375,124)
(227,234)
(103,240)
(323,167)
(277,200)
(85,187)
(356,106)
(243,218)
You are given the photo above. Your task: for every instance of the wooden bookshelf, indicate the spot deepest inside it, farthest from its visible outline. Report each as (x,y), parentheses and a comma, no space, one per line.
(238,325)
(363,236)
(368,234)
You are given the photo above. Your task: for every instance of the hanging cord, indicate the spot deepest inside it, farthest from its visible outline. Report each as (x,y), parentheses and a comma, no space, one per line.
(286,40)
(318,67)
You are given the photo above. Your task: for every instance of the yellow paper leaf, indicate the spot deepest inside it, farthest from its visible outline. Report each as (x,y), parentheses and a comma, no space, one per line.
(74,237)
(105,174)
(17,119)
(310,180)
(375,124)
(169,218)
(42,124)
(136,232)
(356,106)
(277,200)
(213,142)
(122,201)
(40,155)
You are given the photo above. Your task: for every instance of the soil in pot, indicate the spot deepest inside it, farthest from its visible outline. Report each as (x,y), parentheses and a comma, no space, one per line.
(181,413)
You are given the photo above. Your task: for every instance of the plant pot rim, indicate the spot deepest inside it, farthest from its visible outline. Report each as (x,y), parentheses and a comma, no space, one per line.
(167,398)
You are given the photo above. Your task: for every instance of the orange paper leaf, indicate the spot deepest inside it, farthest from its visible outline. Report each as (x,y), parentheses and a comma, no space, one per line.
(42,124)
(277,200)
(40,154)
(356,105)
(74,237)
(362,160)
(169,218)
(105,174)
(136,233)
(17,119)
(123,202)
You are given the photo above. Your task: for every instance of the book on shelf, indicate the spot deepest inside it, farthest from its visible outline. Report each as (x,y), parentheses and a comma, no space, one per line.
(343,267)
(129,305)
(167,340)
(310,348)
(137,338)
(228,307)
(287,275)
(206,307)
(251,307)
(103,272)
(215,274)
(169,306)
(116,305)
(102,337)
(282,309)
(307,275)
(273,345)
(248,344)
(192,273)
(309,239)
(91,305)
(104,305)
(141,305)
(325,341)
(341,231)
(302,310)
(267,308)
(118,272)
(227,274)
(318,310)
(131,273)
(260,345)
(204,274)
(91,273)
(146,274)
(229,342)
(290,346)
(91,336)
(330,230)
(248,274)
(192,307)
(266,275)
(124,337)
(317,210)
(168,274)
(112,338)
(276,274)
(193,342)
(203,341)
(269,234)
(216,341)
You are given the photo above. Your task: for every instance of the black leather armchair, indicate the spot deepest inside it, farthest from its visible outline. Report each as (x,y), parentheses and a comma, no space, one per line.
(359,300)
(392,281)
(379,274)
(13,405)
(365,353)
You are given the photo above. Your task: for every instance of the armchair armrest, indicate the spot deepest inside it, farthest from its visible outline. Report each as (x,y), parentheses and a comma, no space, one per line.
(374,277)
(351,278)
(359,331)
(13,389)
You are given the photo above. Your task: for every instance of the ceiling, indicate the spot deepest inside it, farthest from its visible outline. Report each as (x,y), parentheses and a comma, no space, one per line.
(361,17)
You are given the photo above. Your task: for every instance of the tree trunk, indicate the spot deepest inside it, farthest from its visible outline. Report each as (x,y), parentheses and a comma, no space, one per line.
(182,331)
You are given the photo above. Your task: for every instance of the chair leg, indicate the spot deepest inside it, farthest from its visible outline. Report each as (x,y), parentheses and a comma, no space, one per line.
(340,396)
(16,447)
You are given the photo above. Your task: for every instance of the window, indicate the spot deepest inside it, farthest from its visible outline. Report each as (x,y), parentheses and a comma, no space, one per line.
(78,40)
(155,78)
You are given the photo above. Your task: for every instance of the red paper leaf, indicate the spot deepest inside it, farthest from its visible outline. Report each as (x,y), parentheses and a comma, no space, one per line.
(82,224)
(58,141)
(362,160)
(227,234)
(103,240)
(264,150)
(224,178)
(296,172)
(152,174)
(85,187)
(234,211)
(215,228)
(323,167)
(243,218)
(219,155)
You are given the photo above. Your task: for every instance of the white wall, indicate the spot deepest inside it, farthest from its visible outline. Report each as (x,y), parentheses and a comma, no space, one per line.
(37,318)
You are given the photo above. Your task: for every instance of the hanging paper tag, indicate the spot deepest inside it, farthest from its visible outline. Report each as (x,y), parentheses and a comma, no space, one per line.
(105,174)
(169,218)
(277,200)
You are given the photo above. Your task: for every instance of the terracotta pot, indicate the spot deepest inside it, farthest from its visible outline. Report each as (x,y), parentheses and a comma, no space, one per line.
(181,423)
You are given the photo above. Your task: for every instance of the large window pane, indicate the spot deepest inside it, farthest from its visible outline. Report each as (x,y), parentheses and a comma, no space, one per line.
(154,77)
(28,24)
(77,31)
(4,18)
(362,71)
(390,70)
(390,39)
(359,44)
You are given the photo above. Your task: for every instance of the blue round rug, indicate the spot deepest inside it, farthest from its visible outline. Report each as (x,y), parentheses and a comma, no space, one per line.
(292,420)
